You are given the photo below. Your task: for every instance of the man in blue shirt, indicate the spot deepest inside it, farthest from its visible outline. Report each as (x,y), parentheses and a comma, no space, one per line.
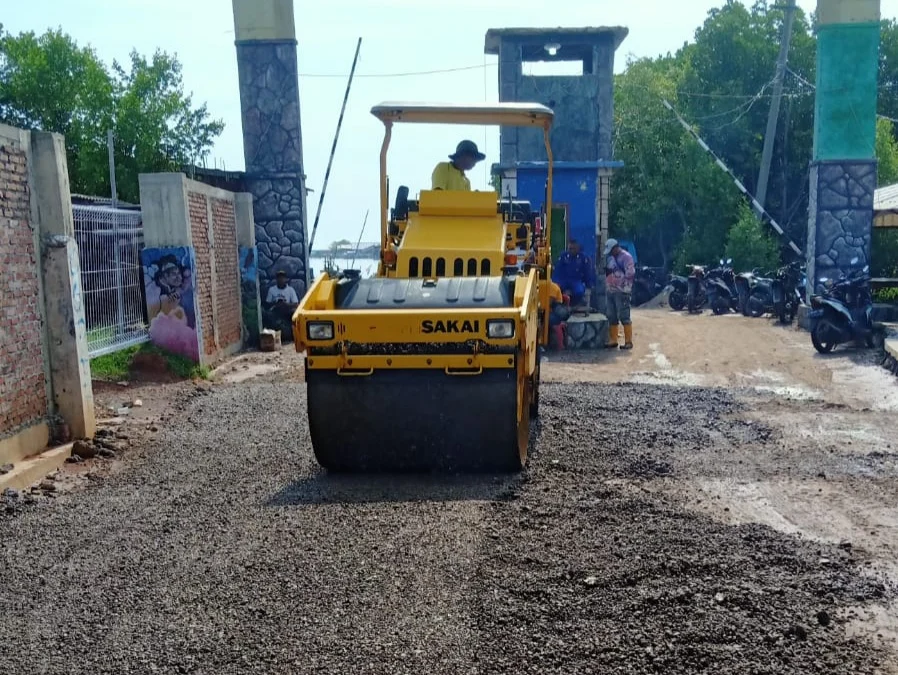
(576,275)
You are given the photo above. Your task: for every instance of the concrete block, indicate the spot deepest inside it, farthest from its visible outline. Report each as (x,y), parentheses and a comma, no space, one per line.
(586,332)
(270,340)
(264,20)
(30,471)
(891,347)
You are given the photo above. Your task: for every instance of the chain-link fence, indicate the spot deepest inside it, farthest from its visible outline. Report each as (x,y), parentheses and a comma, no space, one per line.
(109,244)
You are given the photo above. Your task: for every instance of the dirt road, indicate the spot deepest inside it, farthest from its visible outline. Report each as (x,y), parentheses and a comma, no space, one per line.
(718,500)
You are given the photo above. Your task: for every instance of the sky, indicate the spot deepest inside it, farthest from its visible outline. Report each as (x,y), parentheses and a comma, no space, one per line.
(398,37)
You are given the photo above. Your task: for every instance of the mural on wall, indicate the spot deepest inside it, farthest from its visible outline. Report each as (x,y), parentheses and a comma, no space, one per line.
(171,300)
(249,292)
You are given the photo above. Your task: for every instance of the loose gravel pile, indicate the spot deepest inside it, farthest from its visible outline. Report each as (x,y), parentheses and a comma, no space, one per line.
(591,575)
(222,549)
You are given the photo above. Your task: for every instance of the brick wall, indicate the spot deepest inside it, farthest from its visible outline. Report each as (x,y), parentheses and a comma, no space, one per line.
(22,389)
(217,262)
(227,287)
(199,227)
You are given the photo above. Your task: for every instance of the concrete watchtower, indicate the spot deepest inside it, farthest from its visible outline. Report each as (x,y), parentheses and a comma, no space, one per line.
(581,134)
(843,170)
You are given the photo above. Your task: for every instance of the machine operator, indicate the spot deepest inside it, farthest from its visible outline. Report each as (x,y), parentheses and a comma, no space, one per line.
(575,274)
(451,175)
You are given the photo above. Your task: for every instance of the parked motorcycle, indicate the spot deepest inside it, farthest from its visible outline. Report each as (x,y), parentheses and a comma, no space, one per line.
(760,299)
(721,286)
(697,294)
(843,312)
(787,290)
(679,289)
(744,282)
(645,286)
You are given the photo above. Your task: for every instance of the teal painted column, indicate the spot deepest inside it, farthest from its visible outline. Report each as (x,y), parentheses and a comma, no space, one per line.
(843,170)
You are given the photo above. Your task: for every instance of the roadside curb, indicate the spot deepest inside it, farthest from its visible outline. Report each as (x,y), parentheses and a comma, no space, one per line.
(35,468)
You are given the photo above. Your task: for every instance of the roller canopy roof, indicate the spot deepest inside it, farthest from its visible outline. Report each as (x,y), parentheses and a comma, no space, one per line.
(507,114)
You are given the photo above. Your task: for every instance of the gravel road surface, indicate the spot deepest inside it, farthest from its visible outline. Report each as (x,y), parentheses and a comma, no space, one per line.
(220,548)
(683,513)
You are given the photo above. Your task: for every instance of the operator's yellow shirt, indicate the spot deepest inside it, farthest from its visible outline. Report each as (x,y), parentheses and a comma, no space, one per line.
(447,177)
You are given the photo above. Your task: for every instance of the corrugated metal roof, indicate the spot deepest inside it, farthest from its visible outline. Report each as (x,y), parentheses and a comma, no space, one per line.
(886,198)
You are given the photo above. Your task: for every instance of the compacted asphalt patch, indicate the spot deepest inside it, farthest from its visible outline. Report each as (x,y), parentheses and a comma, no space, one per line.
(221,548)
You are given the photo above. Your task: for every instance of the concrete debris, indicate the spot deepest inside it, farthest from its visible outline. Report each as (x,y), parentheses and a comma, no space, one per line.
(84,449)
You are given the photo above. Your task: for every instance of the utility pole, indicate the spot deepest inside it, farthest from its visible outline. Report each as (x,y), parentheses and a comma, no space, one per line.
(773,116)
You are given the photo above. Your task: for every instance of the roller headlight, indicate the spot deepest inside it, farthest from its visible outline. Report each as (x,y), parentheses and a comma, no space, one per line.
(320,330)
(500,329)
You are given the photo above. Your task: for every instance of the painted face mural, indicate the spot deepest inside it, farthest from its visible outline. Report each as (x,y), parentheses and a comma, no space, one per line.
(168,276)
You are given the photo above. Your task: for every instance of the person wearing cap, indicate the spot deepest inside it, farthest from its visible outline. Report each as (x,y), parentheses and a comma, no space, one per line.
(620,271)
(282,292)
(575,274)
(451,175)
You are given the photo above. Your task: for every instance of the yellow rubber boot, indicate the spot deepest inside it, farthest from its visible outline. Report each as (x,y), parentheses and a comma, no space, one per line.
(612,336)
(628,336)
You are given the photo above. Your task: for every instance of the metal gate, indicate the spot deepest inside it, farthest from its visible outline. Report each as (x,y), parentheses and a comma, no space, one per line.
(109,243)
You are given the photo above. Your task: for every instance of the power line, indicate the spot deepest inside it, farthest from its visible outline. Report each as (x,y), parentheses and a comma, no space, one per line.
(754,202)
(405,74)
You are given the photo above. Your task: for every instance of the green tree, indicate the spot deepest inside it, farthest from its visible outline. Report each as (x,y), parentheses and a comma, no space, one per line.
(729,72)
(749,243)
(886,152)
(670,197)
(48,82)
(157,127)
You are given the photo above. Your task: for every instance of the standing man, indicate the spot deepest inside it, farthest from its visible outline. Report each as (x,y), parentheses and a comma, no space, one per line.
(575,274)
(451,175)
(619,275)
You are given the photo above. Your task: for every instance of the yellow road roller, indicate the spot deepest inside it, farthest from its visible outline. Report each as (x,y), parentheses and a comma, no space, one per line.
(432,365)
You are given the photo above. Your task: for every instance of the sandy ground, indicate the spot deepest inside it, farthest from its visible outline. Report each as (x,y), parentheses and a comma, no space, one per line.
(719,500)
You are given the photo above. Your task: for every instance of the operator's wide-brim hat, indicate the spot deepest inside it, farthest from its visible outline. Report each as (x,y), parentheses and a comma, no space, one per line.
(468,148)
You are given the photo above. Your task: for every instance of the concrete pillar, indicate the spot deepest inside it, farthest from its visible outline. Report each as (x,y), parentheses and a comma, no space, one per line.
(168,241)
(510,73)
(843,170)
(272,136)
(251,300)
(66,329)
(603,71)
(163,206)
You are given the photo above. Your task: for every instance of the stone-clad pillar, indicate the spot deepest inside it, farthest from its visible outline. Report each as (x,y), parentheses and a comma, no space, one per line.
(272,137)
(843,170)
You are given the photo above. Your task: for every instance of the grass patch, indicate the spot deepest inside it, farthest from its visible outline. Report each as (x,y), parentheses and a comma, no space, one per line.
(885,295)
(117,365)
